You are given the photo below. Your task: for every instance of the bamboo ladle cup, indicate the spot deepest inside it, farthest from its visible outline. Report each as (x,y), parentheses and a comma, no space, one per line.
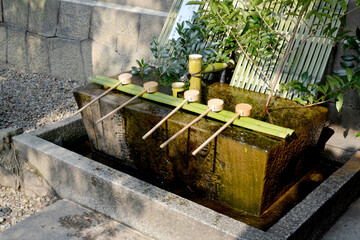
(149,87)
(215,105)
(189,96)
(124,79)
(242,109)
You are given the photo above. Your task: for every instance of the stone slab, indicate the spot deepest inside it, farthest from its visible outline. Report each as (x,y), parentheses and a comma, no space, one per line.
(100,59)
(137,204)
(348,226)
(150,26)
(16,12)
(3,43)
(65,59)
(342,143)
(43,17)
(16,48)
(104,26)
(74,21)
(38,54)
(66,220)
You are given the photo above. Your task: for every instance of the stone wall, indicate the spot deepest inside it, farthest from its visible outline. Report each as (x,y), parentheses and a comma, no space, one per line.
(78,39)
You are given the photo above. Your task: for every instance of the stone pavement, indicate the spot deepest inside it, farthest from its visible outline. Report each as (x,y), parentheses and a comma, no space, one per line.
(347,226)
(65,220)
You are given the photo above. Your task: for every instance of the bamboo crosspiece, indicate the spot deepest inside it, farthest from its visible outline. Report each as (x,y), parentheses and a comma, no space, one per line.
(190,96)
(149,87)
(241,109)
(123,79)
(215,105)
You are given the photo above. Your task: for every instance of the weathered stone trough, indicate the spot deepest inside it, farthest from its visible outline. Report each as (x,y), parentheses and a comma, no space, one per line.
(161,214)
(242,169)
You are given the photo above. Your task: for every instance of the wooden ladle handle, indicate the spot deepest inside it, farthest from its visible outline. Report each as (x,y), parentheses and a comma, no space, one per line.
(186,127)
(165,118)
(124,78)
(217,133)
(97,98)
(120,107)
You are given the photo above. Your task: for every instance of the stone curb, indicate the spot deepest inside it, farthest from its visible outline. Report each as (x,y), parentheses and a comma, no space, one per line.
(163,215)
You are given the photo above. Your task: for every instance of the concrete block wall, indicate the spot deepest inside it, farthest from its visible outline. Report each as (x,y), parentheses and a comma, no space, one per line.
(77,39)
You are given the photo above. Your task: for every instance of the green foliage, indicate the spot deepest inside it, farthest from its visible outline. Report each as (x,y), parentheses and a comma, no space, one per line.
(142,70)
(337,85)
(172,59)
(257,30)
(358,135)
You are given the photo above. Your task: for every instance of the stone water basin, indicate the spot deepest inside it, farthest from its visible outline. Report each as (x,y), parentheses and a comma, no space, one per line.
(241,169)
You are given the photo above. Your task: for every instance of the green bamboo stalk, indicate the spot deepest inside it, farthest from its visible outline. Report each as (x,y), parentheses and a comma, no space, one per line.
(216,67)
(224,116)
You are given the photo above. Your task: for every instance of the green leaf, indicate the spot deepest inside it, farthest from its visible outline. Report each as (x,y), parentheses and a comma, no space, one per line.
(340,73)
(321,19)
(309,14)
(358,33)
(195,3)
(347,64)
(349,73)
(343,5)
(301,101)
(225,8)
(256,3)
(331,81)
(339,101)
(358,135)
(305,6)
(348,57)
(331,3)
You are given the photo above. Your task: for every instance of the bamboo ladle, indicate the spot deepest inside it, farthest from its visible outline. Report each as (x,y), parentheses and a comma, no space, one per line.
(124,79)
(189,96)
(215,105)
(242,109)
(149,87)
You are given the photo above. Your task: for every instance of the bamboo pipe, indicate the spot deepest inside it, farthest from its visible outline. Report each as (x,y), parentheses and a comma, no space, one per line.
(216,67)
(195,61)
(242,109)
(189,95)
(215,105)
(123,79)
(149,87)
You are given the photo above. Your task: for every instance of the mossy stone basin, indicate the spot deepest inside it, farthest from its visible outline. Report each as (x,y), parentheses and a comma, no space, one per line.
(242,169)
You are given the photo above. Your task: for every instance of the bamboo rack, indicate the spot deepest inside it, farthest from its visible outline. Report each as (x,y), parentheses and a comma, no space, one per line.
(224,116)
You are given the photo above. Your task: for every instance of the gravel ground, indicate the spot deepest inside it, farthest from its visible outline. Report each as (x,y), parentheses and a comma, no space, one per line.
(32,100)
(15,206)
(29,101)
